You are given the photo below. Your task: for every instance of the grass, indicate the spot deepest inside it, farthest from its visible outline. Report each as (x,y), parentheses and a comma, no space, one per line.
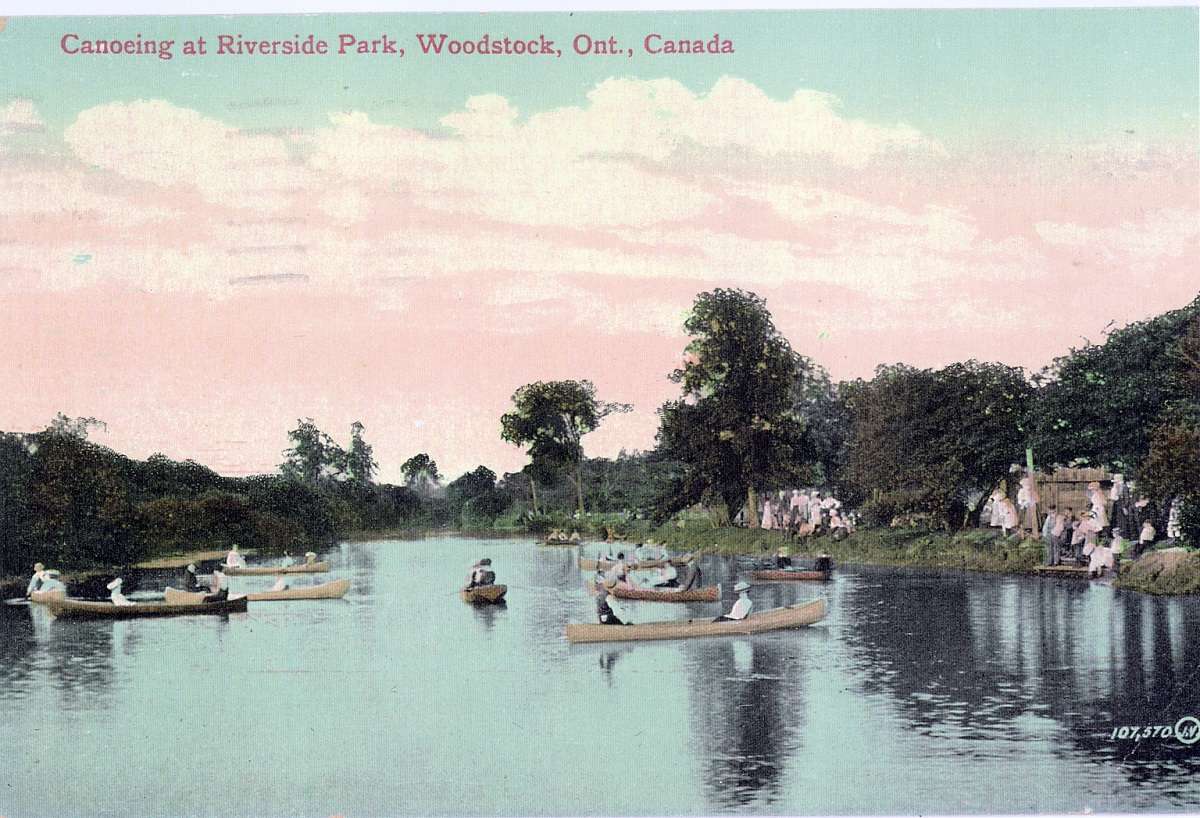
(1162,573)
(976,550)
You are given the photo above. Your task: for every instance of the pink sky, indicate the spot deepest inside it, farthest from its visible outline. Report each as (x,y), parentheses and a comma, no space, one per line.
(199,288)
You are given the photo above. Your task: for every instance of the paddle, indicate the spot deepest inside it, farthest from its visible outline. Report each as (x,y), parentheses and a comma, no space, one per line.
(18,600)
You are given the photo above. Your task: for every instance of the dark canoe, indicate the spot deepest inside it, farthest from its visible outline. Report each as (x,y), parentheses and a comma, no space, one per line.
(793,616)
(484,594)
(67,608)
(258,570)
(789,575)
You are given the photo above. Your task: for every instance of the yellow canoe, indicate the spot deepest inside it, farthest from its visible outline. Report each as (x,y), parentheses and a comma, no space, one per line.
(328,590)
(793,616)
(484,594)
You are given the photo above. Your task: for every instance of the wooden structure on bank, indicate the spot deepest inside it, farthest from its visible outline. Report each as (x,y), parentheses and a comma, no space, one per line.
(1067,488)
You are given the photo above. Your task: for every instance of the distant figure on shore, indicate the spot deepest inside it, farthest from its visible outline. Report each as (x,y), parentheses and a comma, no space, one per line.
(52,582)
(38,578)
(742,607)
(604,610)
(218,586)
(1174,520)
(996,509)
(191,582)
(575,536)
(1009,520)
(768,515)
(116,597)
(234,558)
(1147,537)
(1099,504)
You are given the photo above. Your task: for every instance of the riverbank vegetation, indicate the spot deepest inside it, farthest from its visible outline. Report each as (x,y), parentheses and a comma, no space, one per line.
(753,415)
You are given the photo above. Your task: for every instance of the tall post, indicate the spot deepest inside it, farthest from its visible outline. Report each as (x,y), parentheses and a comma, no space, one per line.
(1032,517)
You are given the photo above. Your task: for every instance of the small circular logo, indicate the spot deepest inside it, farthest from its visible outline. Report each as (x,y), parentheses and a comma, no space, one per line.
(1187,730)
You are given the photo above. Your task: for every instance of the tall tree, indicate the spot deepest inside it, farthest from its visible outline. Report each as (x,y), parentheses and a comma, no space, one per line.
(421,473)
(313,455)
(550,418)
(360,464)
(736,427)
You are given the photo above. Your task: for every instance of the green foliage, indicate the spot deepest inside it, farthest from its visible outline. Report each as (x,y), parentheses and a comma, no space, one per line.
(313,455)
(922,439)
(475,500)
(360,462)
(1101,402)
(737,428)
(421,473)
(550,419)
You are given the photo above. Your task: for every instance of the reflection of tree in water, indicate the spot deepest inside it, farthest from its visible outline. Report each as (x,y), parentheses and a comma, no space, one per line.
(746,715)
(17,644)
(977,656)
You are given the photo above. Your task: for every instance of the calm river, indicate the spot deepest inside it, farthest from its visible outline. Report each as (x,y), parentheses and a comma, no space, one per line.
(921,693)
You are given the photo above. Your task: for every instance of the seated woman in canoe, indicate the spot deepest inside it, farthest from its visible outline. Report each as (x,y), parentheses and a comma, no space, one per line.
(234,558)
(52,582)
(619,573)
(604,610)
(287,561)
(741,609)
(694,578)
(310,557)
(481,574)
(218,586)
(116,597)
(667,577)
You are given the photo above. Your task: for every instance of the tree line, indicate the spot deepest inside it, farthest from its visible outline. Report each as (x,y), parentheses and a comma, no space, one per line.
(752,415)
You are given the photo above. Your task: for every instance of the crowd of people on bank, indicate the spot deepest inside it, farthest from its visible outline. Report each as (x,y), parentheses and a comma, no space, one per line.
(803,513)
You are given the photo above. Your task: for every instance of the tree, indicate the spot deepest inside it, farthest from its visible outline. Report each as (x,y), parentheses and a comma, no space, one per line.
(474,496)
(922,440)
(551,418)
(360,464)
(1099,403)
(736,427)
(313,456)
(421,473)
(74,427)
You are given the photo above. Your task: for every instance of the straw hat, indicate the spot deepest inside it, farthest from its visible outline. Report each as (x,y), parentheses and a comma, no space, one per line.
(191,567)
(609,583)
(37,566)
(115,584)
(741,586)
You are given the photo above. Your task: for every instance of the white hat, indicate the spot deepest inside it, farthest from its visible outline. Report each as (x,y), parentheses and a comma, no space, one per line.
(192,567)
(741,586)
(37,566)
(115,584)
(310,553)
(53,572)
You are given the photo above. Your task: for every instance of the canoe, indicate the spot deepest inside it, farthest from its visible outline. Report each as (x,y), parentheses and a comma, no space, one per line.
(710,594)
(793,616)
(46,596)
(258,570)
(484,594)
(549,541)
(67,608)
(329,590)
(600,565)
(792,575)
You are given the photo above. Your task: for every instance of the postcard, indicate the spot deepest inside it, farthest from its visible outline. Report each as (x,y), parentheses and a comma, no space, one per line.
(610,413)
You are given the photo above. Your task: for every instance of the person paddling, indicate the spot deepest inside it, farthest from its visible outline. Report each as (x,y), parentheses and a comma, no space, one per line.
(486,576)
(667,577)
(37,580)
(191,582)
(694,576)
(310,558)
(116,597)
(823,563)
(782,560)
(742,607)
(604,611)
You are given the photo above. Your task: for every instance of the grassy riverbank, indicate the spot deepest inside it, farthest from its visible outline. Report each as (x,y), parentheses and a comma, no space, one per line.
(1163,573)
(976,550)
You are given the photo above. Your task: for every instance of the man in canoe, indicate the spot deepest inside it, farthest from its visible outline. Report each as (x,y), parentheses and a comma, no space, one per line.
(823,563)
(191,582)
(694,577)
(782,560)
(234,558)
(287,560)
(310,557)
(604,611)
(116,597)
(742,607)
(37,580)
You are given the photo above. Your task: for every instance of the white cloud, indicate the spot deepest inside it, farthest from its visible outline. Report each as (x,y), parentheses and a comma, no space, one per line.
(20,115)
